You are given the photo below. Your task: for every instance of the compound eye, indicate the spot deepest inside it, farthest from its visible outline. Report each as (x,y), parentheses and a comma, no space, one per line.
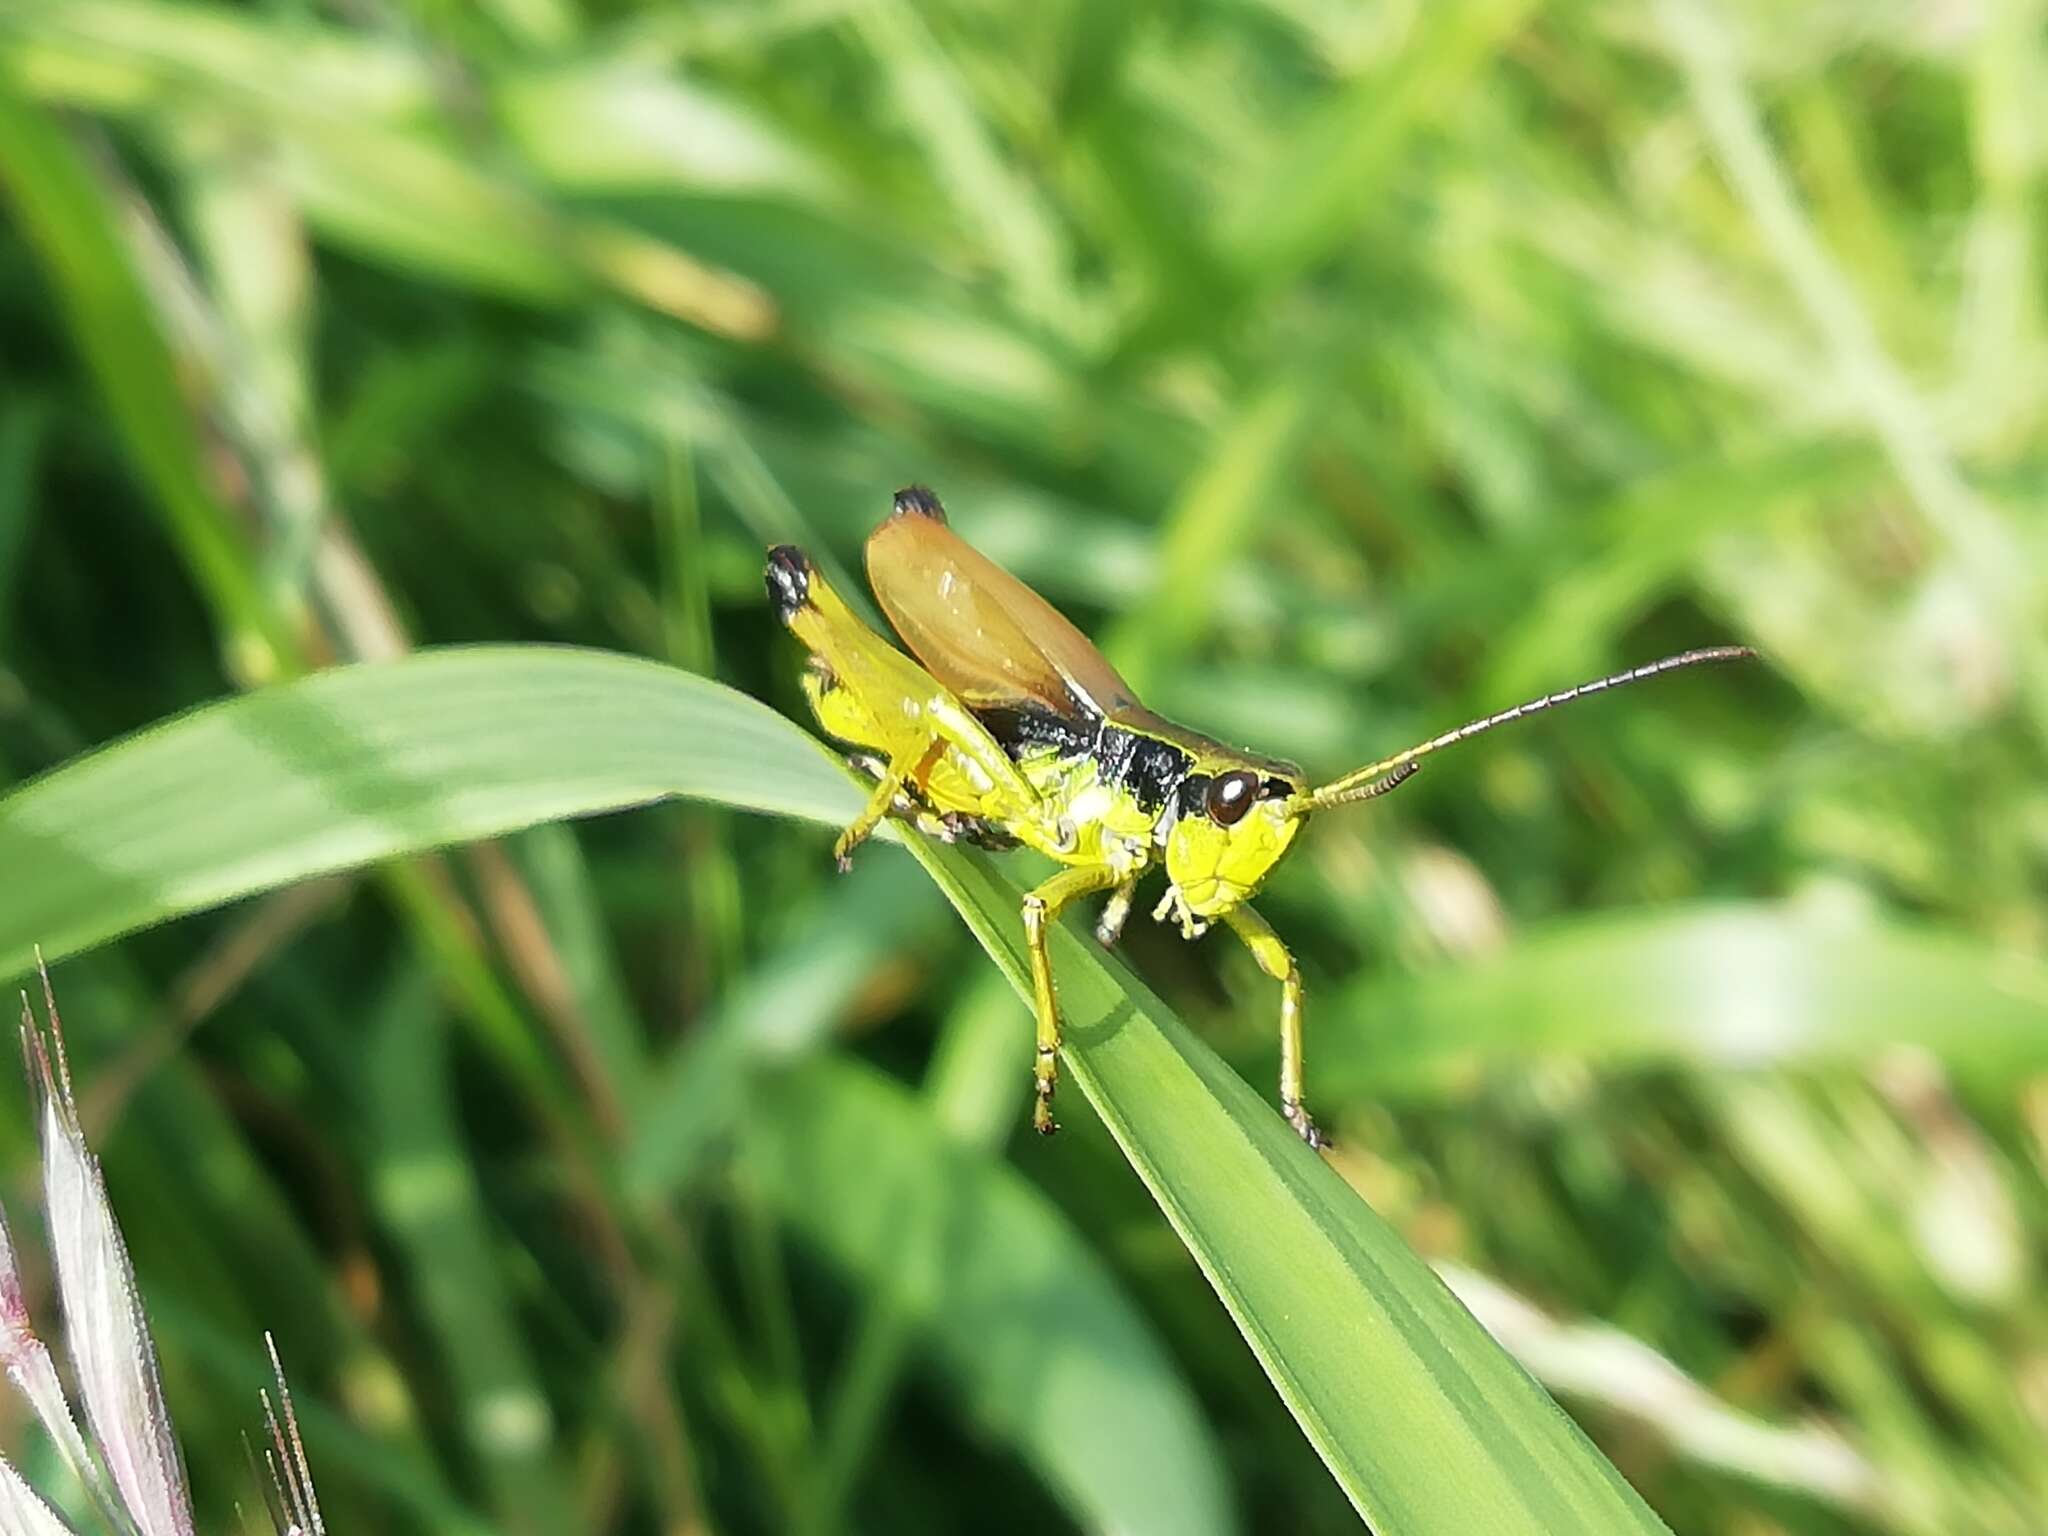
(1230,796)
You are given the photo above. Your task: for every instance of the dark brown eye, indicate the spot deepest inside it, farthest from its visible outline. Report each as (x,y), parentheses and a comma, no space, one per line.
(1230,796)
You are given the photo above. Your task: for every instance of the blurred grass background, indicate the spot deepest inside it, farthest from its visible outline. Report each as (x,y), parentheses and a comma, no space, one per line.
(1351,370)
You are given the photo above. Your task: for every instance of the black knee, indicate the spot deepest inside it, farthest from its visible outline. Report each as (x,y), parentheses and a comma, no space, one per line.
(918,501)
(789,580)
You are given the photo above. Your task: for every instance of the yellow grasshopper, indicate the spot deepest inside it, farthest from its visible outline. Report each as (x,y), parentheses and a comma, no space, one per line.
(1015,729)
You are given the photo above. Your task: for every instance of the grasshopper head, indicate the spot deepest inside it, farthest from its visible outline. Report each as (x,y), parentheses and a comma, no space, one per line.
(1233,826)
(1236,815)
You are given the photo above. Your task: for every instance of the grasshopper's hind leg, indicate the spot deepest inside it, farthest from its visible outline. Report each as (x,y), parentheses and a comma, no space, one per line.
(1276,962)
(1041,908)
(843,713)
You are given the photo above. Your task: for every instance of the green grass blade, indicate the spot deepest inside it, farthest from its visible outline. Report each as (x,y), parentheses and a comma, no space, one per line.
(364,763)
(1331,164)
(1028,1324)
(1715,985)
(71,223)
(1208,526)
(426,1191)
(783,1008)
(1371,1354)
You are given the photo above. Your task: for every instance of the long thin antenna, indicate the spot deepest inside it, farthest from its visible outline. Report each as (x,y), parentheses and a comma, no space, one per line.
(1377,778)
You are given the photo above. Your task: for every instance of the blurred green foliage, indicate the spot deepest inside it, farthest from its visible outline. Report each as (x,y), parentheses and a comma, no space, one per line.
(1351,370)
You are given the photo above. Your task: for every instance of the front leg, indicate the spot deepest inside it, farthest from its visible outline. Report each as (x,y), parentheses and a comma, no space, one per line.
(1041,908)
(1276,962)
(1110,926)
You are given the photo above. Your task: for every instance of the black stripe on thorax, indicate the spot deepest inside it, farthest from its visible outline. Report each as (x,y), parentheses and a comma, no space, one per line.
(1150,769)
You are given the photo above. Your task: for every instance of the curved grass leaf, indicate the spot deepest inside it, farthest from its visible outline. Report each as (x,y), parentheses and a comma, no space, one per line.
(363,763)
(1733,985)
(1427,1425)
(1027,1323)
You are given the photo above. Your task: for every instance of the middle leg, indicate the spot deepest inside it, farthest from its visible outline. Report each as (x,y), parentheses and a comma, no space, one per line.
(1041,908)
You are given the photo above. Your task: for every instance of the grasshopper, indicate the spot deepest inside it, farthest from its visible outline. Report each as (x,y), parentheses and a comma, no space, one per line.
(1011,728)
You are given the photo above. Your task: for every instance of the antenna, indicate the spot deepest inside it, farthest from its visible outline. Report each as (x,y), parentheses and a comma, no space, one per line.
(1389,773)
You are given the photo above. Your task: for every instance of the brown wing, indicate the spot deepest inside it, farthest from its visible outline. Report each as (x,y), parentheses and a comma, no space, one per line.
(980,631)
